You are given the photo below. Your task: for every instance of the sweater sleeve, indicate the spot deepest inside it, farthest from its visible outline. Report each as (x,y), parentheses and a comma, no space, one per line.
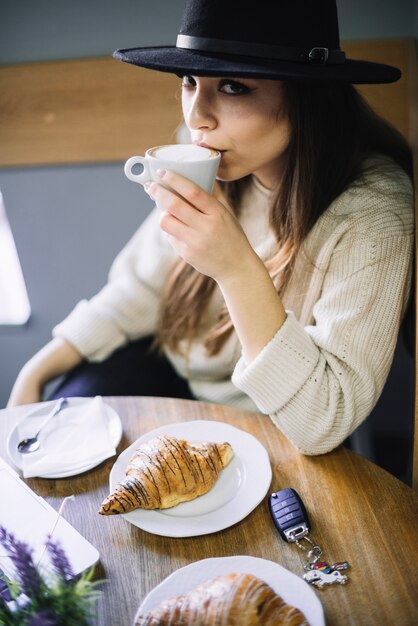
(319,382)
(127,306)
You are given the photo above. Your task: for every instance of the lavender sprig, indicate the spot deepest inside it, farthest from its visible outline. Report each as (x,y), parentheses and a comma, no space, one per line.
(61,599)
(59,560)
(44,618)
(30,579)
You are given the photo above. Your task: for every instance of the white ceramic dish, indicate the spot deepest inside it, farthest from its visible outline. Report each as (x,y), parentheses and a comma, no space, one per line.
(293,589)
(114,425)
(240,488)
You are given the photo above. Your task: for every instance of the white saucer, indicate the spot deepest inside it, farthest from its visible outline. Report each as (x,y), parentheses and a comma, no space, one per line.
(114,425)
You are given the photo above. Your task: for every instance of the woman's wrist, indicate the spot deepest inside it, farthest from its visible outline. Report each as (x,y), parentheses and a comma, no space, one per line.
(246,266)
(254,305)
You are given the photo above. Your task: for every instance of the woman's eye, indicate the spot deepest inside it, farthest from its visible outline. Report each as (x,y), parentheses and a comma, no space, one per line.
(233,88)
(188,81)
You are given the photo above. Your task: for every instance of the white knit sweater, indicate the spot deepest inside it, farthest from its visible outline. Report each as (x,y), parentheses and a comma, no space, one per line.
(322,373)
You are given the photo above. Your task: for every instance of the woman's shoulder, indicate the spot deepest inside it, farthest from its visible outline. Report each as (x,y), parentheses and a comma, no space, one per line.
(382,174)
(383,190)
(378,205)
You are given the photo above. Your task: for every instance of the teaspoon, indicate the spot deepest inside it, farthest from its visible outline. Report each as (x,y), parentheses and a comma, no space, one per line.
(32,443)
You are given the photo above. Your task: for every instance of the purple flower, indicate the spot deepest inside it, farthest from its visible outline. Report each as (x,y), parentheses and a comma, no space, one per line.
(21,556)
(44,618)
(59,560)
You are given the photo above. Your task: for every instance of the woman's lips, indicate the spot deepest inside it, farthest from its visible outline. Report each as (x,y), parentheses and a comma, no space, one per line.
(206,145)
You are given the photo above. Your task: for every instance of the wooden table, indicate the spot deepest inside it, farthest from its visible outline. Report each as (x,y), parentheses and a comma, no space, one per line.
(359,513)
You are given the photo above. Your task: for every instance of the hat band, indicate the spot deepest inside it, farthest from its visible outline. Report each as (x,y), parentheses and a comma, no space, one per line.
(315,56)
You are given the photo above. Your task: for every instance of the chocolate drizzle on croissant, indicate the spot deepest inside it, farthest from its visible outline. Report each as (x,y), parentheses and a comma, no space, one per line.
(166,471)
(232,600)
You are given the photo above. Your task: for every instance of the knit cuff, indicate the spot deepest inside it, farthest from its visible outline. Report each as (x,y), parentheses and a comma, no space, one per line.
(280,369)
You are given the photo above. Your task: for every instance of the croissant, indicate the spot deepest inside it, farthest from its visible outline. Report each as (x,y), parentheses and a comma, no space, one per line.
(166,471)
(232,600)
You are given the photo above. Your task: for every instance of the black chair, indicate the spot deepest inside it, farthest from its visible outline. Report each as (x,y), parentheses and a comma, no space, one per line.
(387,436)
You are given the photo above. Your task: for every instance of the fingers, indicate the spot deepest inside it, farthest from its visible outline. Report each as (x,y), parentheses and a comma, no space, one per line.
(189,210)
(179,217)
(188,190)
(194,194)
(173,227)
(175,206)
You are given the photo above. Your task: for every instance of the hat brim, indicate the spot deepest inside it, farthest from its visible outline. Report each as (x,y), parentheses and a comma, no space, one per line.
(181,61)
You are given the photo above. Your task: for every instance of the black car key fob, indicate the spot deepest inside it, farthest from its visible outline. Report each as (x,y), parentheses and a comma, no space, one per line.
(289,514)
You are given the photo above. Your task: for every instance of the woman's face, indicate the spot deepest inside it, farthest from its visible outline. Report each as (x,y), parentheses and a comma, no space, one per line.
(245,119)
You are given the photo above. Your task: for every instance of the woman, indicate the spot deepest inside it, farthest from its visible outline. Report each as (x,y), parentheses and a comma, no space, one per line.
(283,292)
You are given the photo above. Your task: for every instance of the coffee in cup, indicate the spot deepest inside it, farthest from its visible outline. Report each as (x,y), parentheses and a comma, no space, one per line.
(197,163)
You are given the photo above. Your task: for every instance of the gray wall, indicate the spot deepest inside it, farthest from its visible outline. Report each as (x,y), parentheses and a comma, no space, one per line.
(69,222)
(57,29)
(376,19)
(415,20)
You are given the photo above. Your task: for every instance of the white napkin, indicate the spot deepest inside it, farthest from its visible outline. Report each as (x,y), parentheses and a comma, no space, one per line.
(74,440)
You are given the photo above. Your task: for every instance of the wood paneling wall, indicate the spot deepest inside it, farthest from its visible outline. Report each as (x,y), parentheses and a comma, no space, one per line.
(97,110)
(390,101)
(83,111)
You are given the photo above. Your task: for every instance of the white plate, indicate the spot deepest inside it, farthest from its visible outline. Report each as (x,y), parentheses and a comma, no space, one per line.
(113,423)
(240,488)
(290,587)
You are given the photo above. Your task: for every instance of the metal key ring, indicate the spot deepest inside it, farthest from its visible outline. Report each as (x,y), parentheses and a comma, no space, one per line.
(313,553)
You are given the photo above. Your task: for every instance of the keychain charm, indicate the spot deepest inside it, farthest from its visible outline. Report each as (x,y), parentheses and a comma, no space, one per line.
(291,520)
(321,574)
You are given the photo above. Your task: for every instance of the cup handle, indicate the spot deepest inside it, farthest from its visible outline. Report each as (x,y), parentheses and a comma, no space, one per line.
(137,178)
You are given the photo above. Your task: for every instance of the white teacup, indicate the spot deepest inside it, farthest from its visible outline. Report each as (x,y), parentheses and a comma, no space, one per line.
(196,163)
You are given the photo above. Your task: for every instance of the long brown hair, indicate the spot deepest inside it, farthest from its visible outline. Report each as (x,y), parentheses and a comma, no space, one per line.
(333,131)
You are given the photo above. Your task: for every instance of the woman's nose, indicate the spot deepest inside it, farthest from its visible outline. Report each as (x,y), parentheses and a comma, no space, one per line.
(199,113)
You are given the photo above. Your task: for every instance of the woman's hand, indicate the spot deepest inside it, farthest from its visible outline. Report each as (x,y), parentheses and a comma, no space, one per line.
(204,232)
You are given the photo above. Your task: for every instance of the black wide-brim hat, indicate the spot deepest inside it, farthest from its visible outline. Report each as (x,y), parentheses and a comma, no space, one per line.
(279,39)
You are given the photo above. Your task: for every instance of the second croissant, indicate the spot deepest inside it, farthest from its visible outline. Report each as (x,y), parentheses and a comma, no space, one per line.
(166,471)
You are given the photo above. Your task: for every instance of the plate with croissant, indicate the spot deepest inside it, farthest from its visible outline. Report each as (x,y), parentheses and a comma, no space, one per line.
(188,479)
(236,590)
